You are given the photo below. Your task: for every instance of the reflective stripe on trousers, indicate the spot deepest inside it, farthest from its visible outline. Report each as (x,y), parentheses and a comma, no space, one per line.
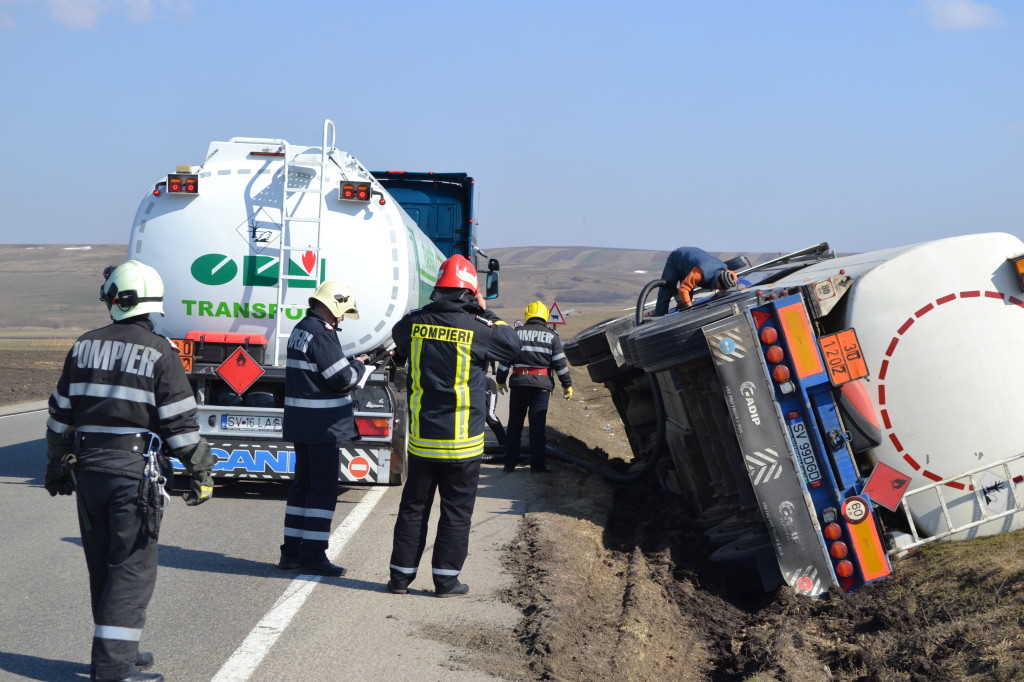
(312,499)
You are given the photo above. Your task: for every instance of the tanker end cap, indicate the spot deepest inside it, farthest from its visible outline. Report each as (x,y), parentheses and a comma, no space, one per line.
(337,297)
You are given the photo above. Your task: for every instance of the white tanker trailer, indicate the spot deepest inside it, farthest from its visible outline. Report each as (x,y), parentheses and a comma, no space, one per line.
(242,240)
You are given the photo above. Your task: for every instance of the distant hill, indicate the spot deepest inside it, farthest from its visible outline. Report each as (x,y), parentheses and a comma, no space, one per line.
(55,286)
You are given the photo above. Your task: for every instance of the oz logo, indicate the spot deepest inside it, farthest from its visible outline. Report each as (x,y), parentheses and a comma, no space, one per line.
(215,269)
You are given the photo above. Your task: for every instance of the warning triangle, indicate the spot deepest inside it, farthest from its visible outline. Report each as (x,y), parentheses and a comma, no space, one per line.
(555,315)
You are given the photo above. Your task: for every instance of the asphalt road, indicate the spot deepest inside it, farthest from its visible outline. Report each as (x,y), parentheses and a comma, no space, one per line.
(222,610)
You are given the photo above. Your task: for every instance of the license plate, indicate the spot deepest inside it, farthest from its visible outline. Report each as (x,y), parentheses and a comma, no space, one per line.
(246,422)
(805,452)
(843,357)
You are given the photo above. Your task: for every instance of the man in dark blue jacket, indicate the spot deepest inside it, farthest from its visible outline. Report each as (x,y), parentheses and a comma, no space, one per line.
(317,419)
(689,268)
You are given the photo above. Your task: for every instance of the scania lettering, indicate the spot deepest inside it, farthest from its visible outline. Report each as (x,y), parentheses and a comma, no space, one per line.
(243,238)
(838,411)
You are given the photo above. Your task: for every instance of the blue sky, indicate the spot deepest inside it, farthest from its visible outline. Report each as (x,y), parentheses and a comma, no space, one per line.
(736,125)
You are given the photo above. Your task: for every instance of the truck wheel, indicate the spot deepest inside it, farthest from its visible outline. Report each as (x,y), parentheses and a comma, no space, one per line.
(595,343)
(676,338)
(573,353)
(591,341)
(400,440)
(604,369)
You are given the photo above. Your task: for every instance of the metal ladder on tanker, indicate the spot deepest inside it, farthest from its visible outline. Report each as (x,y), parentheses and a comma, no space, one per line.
(288,217)
(940,488)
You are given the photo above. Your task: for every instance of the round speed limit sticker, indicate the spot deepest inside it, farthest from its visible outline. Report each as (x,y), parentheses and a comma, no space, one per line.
(855,509)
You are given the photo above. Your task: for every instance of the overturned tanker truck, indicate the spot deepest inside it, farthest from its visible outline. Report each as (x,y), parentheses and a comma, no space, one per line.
(836,412)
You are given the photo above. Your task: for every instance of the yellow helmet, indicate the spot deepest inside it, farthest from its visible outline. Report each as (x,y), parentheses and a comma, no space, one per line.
(338,298)
(536,309)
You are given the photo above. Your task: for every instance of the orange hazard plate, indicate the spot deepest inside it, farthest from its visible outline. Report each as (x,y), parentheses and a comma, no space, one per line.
(843,357)
(186,348)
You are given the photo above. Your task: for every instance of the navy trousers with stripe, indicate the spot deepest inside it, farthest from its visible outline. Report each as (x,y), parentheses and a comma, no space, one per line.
(523,401)
(457,481)
(122,563)
(311,501)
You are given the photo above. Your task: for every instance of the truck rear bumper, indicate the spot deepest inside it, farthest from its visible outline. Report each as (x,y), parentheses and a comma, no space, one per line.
(361,462)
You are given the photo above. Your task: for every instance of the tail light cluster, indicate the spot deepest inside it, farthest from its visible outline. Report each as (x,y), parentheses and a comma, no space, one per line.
(776,357)
(837,549)
(370,427)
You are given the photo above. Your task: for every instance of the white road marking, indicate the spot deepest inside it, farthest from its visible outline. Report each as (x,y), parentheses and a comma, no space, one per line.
(257,645)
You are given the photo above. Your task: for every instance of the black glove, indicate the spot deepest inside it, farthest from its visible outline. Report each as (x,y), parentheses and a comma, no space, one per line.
(60,451)
(199,461)
(200,491)
(58,480)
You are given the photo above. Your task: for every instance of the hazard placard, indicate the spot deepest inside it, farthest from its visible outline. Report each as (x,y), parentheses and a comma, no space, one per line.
(886,486)
(240,371)
(554,314)
(186,350)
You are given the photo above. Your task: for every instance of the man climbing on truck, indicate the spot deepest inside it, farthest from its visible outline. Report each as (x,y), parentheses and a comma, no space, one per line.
(688,268)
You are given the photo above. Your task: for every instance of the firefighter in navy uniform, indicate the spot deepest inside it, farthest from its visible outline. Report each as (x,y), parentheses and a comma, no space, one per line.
(122,392)
(531,384)
(448,344)
(318,417)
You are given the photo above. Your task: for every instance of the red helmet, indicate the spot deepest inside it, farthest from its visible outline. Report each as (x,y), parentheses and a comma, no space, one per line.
(457,273)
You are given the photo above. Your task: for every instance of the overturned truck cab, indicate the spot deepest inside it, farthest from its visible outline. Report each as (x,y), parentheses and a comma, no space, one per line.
(837,411)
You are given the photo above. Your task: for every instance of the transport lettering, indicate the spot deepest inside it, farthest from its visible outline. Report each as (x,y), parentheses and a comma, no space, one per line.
(256,311)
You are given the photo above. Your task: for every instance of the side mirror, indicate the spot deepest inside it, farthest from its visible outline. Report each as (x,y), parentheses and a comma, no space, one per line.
(493,265)
(491,286)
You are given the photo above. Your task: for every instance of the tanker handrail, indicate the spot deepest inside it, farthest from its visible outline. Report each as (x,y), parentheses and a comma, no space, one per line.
(258,140)
(939,488)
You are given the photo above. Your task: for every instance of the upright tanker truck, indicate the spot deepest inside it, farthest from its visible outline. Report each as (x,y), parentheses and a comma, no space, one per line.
(244,237)
(836,412)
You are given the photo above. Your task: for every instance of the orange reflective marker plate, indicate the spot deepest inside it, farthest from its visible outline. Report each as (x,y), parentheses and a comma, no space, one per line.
(843,357)
(186,349)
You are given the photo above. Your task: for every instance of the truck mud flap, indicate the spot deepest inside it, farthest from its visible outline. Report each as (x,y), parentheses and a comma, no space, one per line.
(764,441)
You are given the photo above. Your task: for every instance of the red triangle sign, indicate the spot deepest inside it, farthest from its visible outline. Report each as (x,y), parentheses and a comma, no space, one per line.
(240,371)
(555,315)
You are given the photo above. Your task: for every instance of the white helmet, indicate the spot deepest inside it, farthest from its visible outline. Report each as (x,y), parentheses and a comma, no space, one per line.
(338,298)
(131,289)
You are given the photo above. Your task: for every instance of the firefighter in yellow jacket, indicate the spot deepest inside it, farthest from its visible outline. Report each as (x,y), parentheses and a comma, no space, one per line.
(449,344)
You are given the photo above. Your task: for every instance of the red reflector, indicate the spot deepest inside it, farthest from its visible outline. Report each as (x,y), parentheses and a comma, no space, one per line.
(832,531)
(372,427)
(838,550)
(844,568)
(780,373)
(775,354)
(769,335)
(156,192)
